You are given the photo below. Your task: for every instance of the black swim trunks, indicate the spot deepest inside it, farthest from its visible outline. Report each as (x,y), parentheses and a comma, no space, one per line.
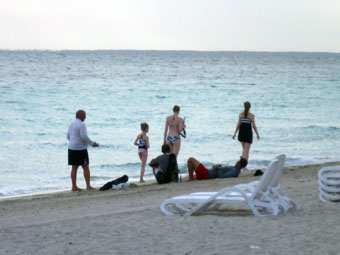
(77,158)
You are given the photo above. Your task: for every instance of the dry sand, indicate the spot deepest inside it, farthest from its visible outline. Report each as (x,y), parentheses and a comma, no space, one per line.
(131,222)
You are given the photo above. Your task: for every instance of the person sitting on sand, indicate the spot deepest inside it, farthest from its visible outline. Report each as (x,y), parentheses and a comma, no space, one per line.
(164,167)
(77,149)
(217,171)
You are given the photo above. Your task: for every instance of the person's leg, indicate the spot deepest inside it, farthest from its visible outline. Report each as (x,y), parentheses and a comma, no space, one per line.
(246,150)
(192,166)
(176,147)
(171,146)
(154,171)
(243,144)
(74,178)
(87,174)
(142,169)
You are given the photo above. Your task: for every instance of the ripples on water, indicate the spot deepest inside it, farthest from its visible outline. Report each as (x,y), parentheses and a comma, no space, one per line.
(295,97)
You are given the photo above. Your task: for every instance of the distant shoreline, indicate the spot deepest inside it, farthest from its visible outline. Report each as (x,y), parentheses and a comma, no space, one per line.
(174,51)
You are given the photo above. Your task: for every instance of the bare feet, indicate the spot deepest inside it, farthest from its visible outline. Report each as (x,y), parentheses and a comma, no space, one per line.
(76,189)
(90,188)
(141,181)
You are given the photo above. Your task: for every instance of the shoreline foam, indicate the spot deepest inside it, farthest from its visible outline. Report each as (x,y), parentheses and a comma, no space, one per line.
(151,180)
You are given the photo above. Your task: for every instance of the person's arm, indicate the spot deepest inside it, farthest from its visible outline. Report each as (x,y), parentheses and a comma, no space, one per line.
(254,126)
(85,138)
(165,130)
(237,126)
(154,163)
(216,166)
(147,142)
(68,133)
(181,125)
(153,171)
(135,142)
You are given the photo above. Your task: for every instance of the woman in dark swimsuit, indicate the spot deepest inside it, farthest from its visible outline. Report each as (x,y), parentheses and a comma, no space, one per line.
(246,121)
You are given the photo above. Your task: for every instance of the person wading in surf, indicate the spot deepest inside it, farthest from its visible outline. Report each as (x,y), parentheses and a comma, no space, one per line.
(173,127)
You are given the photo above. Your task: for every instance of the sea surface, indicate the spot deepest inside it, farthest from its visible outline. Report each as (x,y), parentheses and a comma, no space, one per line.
(295,98)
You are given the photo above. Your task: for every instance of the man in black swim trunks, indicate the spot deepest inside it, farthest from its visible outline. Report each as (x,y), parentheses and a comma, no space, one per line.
(217,171)
(77,149)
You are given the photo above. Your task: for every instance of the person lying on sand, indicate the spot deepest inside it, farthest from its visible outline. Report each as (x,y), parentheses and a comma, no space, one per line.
(217,171)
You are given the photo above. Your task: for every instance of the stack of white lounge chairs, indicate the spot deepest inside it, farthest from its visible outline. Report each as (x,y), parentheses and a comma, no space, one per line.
(263,197)
(329,184)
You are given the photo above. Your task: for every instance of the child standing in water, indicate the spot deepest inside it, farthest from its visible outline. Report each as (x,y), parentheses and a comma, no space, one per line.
(142,141)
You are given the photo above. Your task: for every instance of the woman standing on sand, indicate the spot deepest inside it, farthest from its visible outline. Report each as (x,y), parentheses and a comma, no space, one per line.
(246,121)
(173,127)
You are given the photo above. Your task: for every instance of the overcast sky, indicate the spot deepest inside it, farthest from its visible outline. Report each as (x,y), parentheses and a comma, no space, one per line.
(212,25)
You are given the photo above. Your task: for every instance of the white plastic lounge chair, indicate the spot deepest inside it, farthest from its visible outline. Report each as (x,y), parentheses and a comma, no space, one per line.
(276,193)
(329,184)
(276,180)
(259,198)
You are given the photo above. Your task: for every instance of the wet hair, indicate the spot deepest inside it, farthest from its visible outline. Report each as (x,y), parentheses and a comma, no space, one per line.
(242,163)
(165,148)
(144,126)
(176,108)
(247,106)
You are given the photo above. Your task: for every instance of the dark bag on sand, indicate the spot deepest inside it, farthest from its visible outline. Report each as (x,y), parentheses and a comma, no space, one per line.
(108,185)
(258,173)
(171,174)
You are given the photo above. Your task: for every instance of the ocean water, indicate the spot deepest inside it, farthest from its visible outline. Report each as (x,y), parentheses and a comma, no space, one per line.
(295,98)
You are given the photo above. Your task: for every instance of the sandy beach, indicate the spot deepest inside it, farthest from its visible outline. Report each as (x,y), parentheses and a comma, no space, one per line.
(130,222)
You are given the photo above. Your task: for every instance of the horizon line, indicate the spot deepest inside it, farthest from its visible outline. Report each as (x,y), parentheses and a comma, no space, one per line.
(249,51)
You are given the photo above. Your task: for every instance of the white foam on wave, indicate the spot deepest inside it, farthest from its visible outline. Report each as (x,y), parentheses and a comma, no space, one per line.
(12,194)
(312,161)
